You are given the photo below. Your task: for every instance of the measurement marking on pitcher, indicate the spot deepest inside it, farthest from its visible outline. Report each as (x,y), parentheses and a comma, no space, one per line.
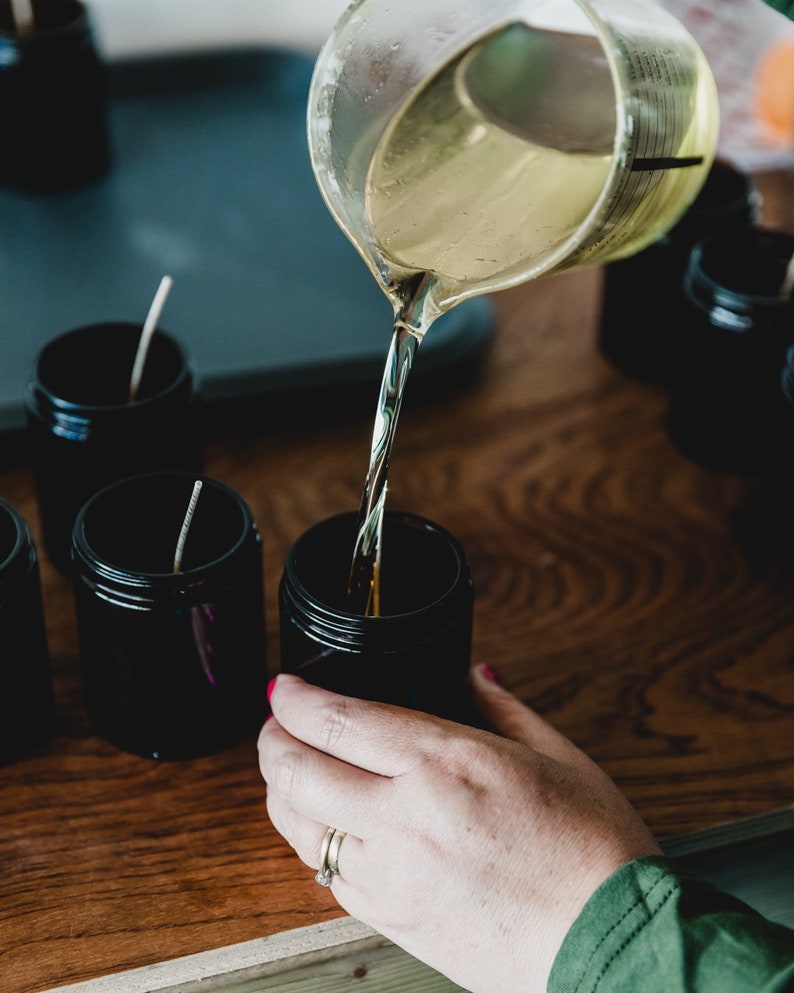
(666,162)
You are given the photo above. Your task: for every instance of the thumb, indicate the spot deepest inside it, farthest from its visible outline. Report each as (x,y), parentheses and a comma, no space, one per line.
(505,714)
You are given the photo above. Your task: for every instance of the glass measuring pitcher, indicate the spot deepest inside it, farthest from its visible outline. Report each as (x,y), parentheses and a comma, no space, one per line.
(463,148)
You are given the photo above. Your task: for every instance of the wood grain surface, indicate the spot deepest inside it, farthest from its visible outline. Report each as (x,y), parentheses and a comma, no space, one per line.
(621,590)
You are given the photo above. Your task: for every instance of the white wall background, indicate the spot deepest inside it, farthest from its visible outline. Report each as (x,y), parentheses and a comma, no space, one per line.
(732,33)
(127,28)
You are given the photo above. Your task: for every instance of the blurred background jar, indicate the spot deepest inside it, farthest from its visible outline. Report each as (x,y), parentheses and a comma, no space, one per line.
(727,408)
(643,329)
(750,48)
(53,100)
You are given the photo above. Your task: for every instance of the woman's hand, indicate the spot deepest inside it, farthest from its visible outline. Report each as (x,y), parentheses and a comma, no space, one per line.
(473,852)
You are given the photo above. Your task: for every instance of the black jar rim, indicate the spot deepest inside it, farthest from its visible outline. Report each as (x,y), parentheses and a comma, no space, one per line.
(333,623)
(716,279)
(21,555)
(93,563)
(45,399)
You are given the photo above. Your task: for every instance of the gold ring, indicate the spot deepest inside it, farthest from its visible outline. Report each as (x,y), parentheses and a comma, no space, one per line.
(329,856)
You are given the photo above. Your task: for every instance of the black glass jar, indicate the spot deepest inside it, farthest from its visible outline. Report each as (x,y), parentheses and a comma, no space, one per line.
(173,662)
(85,433)
(27,704)
(417,652)
(727,409)
(642,329)
(53,100)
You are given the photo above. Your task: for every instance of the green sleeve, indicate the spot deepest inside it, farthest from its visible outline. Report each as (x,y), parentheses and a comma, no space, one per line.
(651,929)
(784,6)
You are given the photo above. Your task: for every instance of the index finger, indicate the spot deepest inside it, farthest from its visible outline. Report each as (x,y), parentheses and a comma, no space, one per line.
(377,737)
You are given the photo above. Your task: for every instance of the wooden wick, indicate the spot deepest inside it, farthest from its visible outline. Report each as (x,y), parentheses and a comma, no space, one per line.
(22,16)
(180,545)
(788,280)
(146,335)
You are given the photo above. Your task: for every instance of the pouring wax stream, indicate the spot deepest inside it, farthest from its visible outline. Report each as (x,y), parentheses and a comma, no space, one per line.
(447,180)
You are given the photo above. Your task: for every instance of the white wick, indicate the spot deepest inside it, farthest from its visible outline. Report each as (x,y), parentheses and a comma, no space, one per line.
(146,335)
(22,14)
(180,545)
(788,280)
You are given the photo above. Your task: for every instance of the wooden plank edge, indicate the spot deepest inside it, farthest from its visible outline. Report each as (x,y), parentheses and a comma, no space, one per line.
(241,963)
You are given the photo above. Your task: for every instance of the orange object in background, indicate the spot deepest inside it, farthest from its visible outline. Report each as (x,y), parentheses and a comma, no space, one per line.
(774,91)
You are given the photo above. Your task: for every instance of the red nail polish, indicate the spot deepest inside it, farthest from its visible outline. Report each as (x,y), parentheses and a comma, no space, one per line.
(270,687)
(489,673)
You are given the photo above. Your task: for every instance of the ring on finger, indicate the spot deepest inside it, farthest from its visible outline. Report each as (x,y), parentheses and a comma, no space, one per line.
(329,856)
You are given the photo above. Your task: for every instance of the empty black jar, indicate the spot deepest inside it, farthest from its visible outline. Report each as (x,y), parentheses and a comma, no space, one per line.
(53,100)
(727,409)
(173,662)
(27,704)
(417,652)
(642,330)
(85,433)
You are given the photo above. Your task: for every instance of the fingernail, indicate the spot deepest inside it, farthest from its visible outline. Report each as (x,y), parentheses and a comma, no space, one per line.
(270,687)
(489,673)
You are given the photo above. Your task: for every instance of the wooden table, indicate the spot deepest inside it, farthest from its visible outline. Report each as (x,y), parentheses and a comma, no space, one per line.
(615,593)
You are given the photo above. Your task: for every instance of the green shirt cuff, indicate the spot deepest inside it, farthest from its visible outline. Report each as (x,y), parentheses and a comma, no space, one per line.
(653,929)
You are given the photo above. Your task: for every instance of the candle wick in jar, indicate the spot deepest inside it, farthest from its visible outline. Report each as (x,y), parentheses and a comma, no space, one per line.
(22,15)
(146,335)
(788,280)
(191,507)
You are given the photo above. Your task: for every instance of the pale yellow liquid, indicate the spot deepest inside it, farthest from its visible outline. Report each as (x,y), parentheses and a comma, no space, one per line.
(475,189)
(451,193)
